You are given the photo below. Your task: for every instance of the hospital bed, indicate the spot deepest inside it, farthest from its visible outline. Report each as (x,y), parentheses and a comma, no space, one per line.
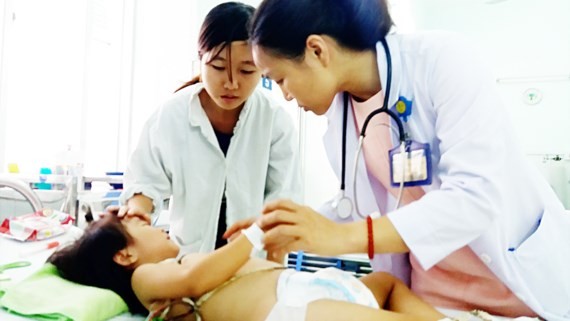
(11,250)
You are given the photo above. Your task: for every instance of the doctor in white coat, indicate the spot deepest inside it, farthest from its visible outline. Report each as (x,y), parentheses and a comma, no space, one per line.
(220,147)
(486,231)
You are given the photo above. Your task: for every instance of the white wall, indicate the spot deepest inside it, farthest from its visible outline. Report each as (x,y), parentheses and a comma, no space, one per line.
(163,50)
(37,94)
(106,84)
(62,81)
(527,44)
(3,18)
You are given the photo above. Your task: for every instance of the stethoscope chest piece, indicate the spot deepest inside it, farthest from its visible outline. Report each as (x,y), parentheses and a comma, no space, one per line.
(343,206)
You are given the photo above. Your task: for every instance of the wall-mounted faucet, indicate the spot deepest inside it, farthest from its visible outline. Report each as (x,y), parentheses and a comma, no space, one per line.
(24,189)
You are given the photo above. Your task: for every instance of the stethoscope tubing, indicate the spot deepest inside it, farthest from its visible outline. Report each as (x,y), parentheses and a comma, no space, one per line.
(383,109)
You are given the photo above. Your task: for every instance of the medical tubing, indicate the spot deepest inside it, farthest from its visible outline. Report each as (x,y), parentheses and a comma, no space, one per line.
(401,133)
(344,125)
(401,188)
(384,107)
(355,168)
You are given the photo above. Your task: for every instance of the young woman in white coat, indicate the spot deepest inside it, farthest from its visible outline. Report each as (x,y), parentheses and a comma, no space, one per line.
(485,231)
(220,147)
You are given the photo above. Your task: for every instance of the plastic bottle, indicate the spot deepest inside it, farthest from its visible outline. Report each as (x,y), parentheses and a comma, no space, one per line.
(44,172)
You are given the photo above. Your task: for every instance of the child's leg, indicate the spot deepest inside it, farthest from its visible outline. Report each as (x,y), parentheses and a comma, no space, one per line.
(394,295)
(331,310)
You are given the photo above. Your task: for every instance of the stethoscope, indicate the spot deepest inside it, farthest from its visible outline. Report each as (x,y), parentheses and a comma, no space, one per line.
(343,204)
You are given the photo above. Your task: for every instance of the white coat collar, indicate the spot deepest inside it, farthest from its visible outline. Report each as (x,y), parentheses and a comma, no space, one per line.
(197,116)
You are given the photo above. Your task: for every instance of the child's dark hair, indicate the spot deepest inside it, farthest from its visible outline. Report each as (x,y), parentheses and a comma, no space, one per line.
(223,25)
(89,260)
(282,26)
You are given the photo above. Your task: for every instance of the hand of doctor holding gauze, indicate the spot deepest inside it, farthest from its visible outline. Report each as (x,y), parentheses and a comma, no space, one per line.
(255,235)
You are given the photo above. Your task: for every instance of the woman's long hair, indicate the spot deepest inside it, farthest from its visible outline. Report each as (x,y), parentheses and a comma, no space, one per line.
(89,260)
(224,24)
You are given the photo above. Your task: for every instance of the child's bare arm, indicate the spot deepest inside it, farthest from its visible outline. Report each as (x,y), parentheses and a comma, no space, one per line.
(198,274)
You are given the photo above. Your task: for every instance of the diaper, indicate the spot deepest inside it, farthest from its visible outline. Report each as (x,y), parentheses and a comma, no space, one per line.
(281,312)
(297,289)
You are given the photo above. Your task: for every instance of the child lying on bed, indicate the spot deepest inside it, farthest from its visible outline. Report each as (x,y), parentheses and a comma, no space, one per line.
(138,262)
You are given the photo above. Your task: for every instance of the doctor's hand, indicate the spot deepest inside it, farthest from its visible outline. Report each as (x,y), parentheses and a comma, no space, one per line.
(291,227)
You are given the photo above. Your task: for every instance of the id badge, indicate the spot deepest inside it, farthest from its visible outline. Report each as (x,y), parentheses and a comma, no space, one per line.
(414,166)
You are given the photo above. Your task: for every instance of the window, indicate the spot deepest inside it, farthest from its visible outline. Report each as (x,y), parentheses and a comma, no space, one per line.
(62,75)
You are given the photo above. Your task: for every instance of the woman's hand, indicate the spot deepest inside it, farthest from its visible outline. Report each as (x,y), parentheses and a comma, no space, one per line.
(137,206)
(127,212)
(235,230)
(291,227)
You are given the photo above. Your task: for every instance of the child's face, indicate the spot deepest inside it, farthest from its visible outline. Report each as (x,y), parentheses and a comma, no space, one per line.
(151,244)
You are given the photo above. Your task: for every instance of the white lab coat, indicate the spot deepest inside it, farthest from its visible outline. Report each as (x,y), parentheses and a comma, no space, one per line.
(178,154)
(484,194)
